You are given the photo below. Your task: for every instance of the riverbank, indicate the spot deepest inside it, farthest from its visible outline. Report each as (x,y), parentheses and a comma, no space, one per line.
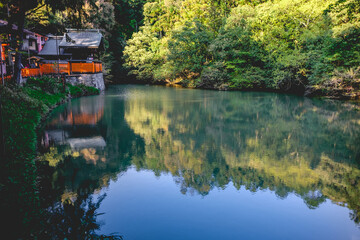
(340,87)
(23,108)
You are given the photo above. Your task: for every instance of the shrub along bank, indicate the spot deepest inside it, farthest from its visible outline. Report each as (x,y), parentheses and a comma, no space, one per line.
(22,110)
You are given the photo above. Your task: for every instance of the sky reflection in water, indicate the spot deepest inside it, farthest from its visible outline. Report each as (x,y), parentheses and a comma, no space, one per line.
(190,164)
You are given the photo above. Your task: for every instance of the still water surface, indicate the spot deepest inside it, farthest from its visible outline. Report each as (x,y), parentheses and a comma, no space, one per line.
(195,164)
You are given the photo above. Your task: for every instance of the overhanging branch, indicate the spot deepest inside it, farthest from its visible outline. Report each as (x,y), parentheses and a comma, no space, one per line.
(34,10)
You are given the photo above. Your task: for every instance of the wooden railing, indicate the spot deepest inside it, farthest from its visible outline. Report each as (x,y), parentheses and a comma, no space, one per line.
(30,72)
(48,68)
(62,68)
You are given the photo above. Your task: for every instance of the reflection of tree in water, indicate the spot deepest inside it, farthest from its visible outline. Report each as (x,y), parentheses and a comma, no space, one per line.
(75,218)
(282,143)
(89,147)
(207,140)
(82,156)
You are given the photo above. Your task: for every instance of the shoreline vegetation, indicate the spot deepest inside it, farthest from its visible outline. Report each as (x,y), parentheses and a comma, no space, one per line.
(309,48)
(23,111)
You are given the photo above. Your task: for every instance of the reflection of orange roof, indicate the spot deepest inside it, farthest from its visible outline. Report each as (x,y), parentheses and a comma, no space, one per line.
(79,119)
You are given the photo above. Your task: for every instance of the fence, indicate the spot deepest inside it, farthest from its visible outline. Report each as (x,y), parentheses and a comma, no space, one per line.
(62,68)
(30,72)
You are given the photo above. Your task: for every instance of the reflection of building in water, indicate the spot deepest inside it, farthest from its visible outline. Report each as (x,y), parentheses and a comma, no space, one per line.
(80,143)
(77,127)
(82,118)
(81,114)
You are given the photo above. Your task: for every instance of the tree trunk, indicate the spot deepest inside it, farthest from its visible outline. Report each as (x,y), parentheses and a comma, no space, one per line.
(20,33)
(2,142)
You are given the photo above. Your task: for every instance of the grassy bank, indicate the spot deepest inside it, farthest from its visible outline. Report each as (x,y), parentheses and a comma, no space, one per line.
(22,111)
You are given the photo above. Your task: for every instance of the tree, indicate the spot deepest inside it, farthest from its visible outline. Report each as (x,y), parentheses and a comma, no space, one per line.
(142,54)
(19,9)
(188,47)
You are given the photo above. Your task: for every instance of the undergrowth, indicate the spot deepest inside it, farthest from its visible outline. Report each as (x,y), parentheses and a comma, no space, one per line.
(22,109)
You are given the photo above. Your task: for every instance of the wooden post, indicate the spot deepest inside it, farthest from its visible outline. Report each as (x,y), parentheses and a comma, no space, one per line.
(93,67)
(68,68)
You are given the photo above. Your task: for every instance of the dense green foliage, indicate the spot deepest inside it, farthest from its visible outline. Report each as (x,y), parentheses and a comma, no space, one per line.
(22,109)
(236,44)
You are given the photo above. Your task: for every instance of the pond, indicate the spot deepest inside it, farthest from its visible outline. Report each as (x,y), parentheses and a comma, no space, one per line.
(173,163)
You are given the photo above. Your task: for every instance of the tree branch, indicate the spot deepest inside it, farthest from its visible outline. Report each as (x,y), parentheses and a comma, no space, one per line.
(34,10)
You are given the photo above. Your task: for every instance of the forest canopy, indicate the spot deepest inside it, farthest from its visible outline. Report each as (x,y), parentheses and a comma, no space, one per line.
(239,44)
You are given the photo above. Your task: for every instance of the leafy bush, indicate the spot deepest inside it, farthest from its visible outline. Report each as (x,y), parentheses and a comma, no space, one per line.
(213,76)
(345,80)
(344,50)
(46,84)
(82,90)
(251,78)
(188,48)
(142,54)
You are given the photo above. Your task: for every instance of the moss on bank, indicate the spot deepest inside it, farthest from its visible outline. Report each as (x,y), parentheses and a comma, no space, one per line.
(22,110)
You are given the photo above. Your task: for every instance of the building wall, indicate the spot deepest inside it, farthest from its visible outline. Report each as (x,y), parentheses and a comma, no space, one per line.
(25,45)
(40,41)
(93,80)
(3,66)
(29,44)
(32,44)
